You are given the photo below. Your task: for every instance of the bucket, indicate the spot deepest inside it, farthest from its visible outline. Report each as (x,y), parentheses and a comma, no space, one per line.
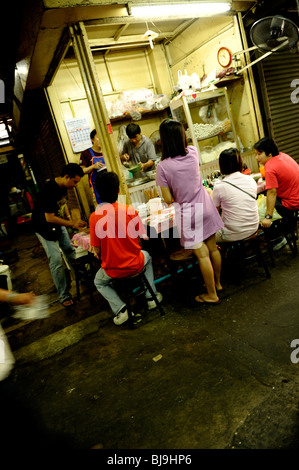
(4,271)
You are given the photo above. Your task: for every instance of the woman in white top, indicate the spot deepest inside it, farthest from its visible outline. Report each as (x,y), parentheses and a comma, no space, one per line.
(235,198)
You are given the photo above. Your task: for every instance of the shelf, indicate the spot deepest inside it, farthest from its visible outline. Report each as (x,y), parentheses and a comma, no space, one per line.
(126,117)
(187,110)
(212,135)
(226,81)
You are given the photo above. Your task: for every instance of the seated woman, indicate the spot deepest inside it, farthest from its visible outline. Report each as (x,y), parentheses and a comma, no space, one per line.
(235,197)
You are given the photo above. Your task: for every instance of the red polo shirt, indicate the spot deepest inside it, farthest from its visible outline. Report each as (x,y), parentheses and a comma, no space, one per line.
(115,228)
(282,173)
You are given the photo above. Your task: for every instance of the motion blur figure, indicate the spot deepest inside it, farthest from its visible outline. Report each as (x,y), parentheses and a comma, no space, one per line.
(21,426)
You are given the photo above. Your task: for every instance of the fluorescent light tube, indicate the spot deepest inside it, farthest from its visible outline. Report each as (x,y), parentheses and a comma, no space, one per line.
(180,9)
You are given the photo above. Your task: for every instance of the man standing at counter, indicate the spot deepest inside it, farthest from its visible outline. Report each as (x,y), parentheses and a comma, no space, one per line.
(86,157)
(92,161)
(50,219)
(138,149)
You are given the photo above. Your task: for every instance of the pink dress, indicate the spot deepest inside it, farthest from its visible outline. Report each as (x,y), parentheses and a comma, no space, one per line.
(195,213)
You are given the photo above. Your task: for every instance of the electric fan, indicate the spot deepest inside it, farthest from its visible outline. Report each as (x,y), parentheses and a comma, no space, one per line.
(272,34)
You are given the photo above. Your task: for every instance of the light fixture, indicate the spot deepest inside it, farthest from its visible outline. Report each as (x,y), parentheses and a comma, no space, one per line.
(202,9)
(150,35)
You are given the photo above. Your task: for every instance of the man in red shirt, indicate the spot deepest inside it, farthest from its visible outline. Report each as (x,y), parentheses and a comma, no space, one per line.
(282,180)
(114,234)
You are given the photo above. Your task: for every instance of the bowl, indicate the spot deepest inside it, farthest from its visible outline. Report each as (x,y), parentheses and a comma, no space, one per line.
(135,169)
(151,174)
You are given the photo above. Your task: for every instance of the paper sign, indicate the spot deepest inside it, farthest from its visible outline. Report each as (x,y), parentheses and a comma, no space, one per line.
(78,130)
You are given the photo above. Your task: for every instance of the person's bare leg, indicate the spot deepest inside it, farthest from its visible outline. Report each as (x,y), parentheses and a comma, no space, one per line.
(215,259)
(207,272)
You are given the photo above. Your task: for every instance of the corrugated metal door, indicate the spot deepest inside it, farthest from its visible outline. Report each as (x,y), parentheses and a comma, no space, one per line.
(279,71)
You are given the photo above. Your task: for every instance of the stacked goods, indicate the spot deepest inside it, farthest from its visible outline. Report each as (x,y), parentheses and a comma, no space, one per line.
(204,131)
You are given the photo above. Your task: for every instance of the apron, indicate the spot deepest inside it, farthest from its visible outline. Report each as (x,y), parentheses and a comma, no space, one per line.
(93,175)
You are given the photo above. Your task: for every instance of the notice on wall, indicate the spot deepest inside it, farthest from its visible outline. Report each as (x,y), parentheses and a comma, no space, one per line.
(78,130)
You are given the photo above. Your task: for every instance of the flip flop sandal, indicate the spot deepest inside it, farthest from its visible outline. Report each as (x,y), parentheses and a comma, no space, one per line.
(203,301)
(67,303)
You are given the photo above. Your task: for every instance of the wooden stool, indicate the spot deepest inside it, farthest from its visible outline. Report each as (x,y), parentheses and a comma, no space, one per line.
(83,273)
(181,258)
(236,250)
(128,283)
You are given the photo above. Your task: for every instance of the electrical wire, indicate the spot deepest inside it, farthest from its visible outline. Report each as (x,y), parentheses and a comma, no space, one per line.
(82,91)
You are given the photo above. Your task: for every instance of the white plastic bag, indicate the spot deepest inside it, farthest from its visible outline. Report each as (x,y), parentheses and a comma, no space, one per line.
(184,81)
(195,81)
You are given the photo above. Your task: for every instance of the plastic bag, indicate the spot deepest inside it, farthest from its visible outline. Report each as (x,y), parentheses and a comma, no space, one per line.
(184,81)
(262,207)
(133,97)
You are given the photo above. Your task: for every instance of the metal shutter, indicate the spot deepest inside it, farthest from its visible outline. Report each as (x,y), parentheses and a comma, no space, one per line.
(279,70)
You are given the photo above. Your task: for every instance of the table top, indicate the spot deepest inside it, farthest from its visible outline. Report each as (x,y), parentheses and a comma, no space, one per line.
(162,221)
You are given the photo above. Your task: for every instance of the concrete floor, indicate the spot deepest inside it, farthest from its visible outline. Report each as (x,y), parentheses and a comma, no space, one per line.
(201,377)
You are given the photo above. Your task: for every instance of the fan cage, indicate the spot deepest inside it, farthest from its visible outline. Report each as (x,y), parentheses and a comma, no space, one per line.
(260,34)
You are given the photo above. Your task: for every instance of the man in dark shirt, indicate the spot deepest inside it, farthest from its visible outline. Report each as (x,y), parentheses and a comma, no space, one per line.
(49,223)
(92,161)
(95,151)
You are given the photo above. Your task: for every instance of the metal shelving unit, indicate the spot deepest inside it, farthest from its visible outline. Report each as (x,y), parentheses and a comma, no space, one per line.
(207,119)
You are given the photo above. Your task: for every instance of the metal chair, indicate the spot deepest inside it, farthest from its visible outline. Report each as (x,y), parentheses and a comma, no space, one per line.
(287,229)
(128,283)
(248,248)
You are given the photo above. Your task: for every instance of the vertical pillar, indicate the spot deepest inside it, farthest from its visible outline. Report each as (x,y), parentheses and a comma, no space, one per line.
(97,104)
(257,122)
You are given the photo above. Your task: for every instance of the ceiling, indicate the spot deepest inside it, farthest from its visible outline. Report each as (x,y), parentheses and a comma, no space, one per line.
(36,32)
(119,34)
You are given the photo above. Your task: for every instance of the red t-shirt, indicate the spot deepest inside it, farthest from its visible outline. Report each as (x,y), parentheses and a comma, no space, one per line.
(115,228)
(282,173)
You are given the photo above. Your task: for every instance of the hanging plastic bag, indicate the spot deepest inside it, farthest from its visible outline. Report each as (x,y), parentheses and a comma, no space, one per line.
(195,81)
(262,208)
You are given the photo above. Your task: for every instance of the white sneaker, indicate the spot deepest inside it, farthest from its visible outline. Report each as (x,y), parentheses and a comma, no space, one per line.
(121,317)
(152,304)
(280,244)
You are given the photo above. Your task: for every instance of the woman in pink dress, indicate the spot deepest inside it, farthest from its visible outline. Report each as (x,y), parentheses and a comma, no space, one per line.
(196,216)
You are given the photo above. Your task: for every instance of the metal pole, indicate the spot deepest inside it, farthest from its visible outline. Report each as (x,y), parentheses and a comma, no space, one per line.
(97,104)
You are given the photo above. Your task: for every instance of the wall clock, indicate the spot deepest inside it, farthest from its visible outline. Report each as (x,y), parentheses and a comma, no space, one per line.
(224,56)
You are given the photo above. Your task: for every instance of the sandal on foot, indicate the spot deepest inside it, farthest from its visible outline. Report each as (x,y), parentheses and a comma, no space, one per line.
(203,301)
(67,303)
